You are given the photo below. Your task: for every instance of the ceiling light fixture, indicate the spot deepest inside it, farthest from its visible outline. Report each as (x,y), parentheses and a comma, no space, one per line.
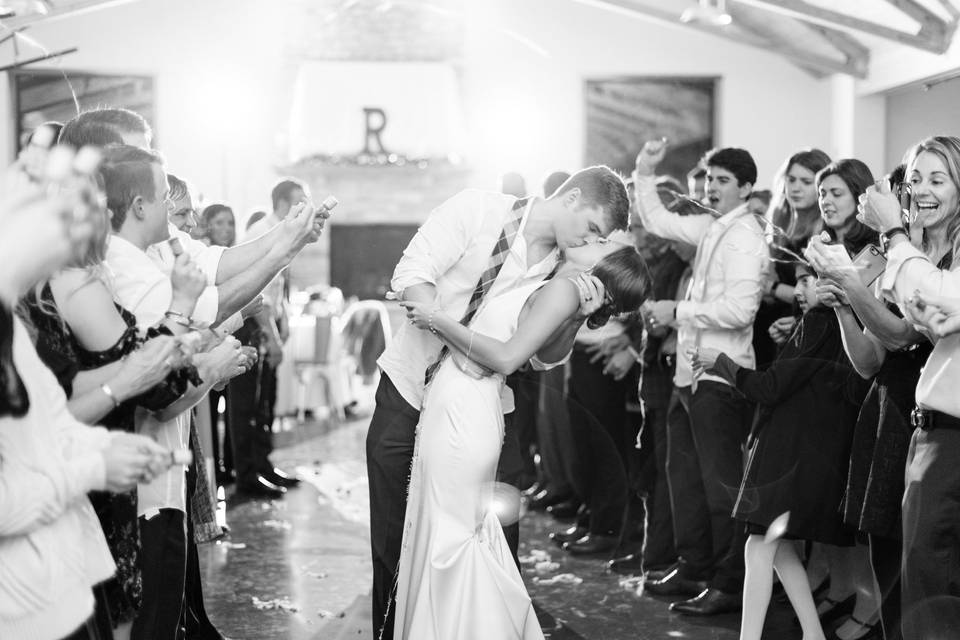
(711,12)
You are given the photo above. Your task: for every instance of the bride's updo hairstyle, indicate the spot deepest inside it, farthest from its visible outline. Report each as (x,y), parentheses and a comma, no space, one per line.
(625,277)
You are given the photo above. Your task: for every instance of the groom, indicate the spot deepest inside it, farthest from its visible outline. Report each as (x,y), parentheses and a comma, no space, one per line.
(475,236)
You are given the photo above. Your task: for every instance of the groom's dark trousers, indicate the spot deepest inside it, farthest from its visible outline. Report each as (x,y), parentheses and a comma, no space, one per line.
(390,441)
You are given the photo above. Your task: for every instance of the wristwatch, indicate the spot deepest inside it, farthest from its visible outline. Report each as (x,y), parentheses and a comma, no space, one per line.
(889,234)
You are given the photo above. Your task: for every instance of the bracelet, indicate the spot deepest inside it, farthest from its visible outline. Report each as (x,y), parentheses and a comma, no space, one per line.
(470,348)
(179,318)
(107,391)
(430,326)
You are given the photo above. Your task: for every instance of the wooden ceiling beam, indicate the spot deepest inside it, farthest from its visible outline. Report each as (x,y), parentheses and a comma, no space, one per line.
(930,37)
(810,62)
(857,53)
(60,11)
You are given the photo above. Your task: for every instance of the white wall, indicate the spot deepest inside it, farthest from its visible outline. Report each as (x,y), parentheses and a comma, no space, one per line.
(216,64)
(914,114)
(766,104)
(221,62)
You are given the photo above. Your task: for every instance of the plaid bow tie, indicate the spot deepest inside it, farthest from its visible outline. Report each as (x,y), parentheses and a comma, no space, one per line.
(497,258)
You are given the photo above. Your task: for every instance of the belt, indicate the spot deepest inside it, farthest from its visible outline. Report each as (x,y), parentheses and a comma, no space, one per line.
(930,420)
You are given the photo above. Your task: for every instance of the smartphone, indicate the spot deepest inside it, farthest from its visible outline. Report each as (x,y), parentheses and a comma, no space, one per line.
(870,263)
(905,195)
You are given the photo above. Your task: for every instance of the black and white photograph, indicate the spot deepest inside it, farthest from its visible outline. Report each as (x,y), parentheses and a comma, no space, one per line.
(479,320)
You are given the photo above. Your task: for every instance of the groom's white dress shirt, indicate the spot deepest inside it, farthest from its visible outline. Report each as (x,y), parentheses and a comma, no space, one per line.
(450,251)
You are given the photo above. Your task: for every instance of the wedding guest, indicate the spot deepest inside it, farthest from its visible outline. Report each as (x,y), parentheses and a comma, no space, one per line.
(798,455)
(236,275)
(884,347)
(138,196)
(708,425)
(94,347)
(930,604)
(792,218)
(220,225)
(251,397)
(50,459)
(32,158)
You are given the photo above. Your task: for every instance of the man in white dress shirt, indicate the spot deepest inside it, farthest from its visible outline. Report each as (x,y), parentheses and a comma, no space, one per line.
(236,275)
(708,420)
(444,263)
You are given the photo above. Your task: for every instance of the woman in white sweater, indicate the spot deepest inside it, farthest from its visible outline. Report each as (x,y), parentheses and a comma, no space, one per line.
(52,550)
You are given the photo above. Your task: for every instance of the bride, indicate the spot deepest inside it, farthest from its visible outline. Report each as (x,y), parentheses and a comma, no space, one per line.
(457,579)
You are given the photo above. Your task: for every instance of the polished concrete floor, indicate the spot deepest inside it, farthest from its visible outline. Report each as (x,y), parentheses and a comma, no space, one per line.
(299,568)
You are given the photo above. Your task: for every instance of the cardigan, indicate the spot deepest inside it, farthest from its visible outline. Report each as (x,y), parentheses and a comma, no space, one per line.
(52,549)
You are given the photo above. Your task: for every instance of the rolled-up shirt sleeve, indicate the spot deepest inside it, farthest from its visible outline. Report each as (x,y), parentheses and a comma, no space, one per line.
(439,243)
(207,305)
(909,270)
(658,221)
(232,323)
(744,260)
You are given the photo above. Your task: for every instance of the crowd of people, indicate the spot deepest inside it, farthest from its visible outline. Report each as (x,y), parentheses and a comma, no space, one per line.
(741,394)
(125,307)
(778,421)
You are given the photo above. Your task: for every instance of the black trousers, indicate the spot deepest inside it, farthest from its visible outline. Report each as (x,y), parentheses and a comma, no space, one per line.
(526,395)
(163,560)
(931,536)
(706,433)
(602,435)
(390,441)
(885,560)
(250,401)
(557,451)
(658,548)
(194,623)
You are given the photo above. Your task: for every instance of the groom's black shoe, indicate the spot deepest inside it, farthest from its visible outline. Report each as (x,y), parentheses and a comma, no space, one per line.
(592,543)
(572,534)
(545,499)
(564,510)
(710,602)
(674,584)
(630,564)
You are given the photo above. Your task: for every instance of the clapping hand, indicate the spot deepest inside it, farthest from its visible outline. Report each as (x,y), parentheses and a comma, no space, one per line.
(130,459)
(703,359)
(939,314)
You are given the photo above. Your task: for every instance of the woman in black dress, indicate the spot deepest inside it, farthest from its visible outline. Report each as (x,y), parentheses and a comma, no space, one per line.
(798,454)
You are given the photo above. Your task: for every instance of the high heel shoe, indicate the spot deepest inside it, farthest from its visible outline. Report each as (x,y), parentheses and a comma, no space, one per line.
(871,631)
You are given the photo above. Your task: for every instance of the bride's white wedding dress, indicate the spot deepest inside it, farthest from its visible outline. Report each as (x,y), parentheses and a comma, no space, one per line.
(457,579)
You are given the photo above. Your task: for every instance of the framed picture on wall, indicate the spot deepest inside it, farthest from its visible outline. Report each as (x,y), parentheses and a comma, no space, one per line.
(43,95)
(624,112)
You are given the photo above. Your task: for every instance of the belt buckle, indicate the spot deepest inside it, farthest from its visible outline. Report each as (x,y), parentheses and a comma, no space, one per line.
(918,418)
